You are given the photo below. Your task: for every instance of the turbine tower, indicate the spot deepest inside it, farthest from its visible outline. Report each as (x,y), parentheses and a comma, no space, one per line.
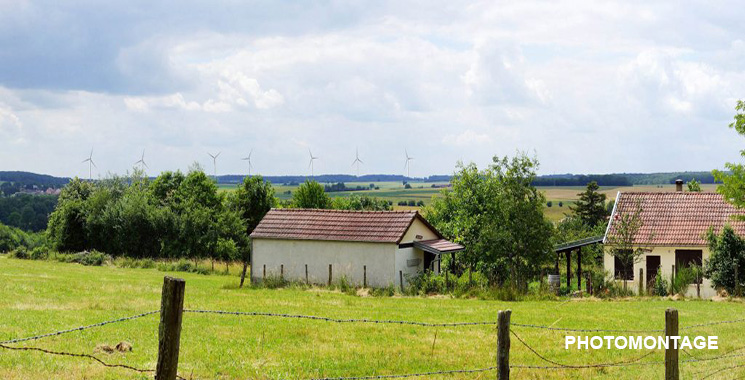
(91,164)
(249,161)
(407,166)
(142,161)
(214,162)
(357,161)
(310,165)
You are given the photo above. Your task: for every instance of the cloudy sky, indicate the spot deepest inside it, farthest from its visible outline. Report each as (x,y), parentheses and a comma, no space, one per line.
(590,87)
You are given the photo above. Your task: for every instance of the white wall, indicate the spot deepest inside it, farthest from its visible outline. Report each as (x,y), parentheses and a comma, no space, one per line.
(667,260)
(404,254)
(347,259)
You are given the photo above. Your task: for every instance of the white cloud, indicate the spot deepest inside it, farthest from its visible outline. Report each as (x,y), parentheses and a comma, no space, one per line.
(467,138)
(10,125)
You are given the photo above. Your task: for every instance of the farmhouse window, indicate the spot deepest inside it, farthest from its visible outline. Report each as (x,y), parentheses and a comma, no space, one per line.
(686,258)
(620,272)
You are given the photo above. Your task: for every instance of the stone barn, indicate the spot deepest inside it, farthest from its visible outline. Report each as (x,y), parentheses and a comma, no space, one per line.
(372,248)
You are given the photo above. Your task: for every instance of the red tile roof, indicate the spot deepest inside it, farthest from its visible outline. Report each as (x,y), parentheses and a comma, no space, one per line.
(339,225)
(439,246)
(677,219)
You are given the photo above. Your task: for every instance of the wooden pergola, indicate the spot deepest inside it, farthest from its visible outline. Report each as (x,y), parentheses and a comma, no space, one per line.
(567,248)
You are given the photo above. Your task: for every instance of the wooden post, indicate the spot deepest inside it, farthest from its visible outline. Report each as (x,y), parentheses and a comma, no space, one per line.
(737,282)
(503,344)
(401,279)
(263,276)
(330,275)
(169,331)
(588,285)
(641,282)
(556,264)
(282,271)
(672,280)
(306,275)
(671,353)
(579,269)
(569,271)
(364,276)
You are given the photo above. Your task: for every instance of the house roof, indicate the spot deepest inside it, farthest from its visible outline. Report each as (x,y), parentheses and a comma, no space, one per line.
(676,219)
(337,225)
(438,246)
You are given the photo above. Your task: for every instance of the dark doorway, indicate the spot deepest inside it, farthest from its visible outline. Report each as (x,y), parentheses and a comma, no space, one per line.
(429,258)
(653,263)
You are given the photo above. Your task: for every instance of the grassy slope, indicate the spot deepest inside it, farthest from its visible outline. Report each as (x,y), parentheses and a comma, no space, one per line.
(40,297)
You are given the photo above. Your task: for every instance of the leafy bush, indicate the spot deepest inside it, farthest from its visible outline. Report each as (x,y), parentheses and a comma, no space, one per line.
(424,283)
(39,253)
(19,253)
(388,291)
(661,285)
(684,278)
(727,250)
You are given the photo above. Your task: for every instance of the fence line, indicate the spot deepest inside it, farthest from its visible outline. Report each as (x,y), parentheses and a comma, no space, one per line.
(336,320)
(81,328)
(504,330)
(632,362)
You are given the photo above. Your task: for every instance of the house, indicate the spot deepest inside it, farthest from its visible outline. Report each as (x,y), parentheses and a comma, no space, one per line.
(673,233)
(373,248)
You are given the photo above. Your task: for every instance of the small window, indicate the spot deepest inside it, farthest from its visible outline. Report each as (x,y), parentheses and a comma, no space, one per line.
(620,272)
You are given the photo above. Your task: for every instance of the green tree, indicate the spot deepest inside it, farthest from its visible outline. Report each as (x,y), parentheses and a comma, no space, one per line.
(66,229)
(727,250)
(733,182)
(251,201)
(311,195)
(624,241)
(357,202)
(694,186)
(590,207)
(497,214)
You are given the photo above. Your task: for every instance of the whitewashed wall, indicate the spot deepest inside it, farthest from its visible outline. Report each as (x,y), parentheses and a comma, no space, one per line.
(347,259)
(417,232)
(667,260)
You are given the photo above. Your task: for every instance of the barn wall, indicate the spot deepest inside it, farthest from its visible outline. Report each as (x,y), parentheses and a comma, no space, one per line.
(347,259)
(667,260)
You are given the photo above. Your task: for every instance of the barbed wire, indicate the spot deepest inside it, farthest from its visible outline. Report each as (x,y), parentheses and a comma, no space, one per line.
(712,323)
(59,353)
(721,370)
(725,356)
(445,372)
(583,330)
(336,320)
(81,328)
(632,362)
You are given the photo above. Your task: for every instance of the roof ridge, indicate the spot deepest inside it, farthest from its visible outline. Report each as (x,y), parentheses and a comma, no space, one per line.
(347,211)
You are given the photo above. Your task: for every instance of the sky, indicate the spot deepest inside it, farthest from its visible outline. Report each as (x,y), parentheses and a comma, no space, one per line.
(586,87)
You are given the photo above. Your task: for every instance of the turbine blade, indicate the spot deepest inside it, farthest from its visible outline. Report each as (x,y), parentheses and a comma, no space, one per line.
(218,154)
(94,164)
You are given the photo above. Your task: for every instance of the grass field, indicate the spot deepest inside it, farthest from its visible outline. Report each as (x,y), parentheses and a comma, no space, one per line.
(40,297)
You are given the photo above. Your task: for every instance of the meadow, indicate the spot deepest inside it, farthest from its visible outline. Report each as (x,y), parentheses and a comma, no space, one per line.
(45,296)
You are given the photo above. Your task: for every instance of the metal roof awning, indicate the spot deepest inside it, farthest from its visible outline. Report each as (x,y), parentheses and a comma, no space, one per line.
(438,246)
(568,246)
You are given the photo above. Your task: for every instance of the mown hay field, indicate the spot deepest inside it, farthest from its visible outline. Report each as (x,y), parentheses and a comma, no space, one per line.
(40,297)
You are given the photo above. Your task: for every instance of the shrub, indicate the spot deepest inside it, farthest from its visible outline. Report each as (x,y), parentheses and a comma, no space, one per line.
(19,253)
(426,282)
(92,258)
(39,253)
(727,251)
(684,278)
(660,284)
(388,291)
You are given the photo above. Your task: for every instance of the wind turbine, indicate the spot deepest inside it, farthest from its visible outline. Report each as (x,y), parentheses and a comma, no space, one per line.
(357,161)
(142,160)
(312,158)
(407,166)
(90,162)
(249,161)
(214,162)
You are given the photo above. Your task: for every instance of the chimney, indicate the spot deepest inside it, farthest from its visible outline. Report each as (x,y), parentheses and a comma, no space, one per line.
(679,185)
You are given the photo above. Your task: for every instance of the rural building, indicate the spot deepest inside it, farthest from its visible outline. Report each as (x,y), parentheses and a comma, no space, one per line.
(674,225)
(377,248)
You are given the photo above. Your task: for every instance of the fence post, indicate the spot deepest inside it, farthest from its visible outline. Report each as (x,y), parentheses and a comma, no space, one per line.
(503,345)
(169,331)
(282,271)
(672,280)
(306,275)
(671,353)
(641,282)
(263,274)
(401,279)
(364,276)
(737,283)
(330,275)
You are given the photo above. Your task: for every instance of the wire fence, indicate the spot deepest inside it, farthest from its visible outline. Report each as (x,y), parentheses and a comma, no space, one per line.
(551,364)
